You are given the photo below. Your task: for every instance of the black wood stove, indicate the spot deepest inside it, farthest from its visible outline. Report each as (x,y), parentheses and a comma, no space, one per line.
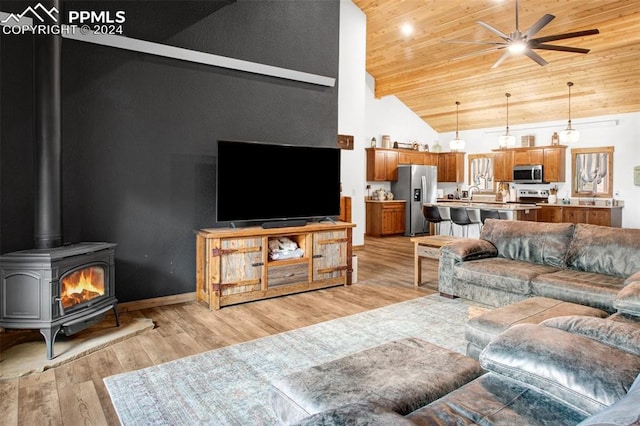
(66,289)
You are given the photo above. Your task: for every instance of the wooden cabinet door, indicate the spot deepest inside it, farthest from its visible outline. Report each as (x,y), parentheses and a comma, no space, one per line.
(382,165)
(599,217)
(240,266)
(329,254)
(554,164)
(503,166)
(551,214)
(451,167)
(430,159)
(528,156)
(574,214)
(393,219)
(391,166)
(410,157)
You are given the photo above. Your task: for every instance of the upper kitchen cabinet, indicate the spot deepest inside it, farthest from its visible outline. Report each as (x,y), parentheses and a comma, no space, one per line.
(382,165)
(552,158)
(451,167)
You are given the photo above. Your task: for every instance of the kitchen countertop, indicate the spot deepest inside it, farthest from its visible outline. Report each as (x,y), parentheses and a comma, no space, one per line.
(486,205)
(579,205)
(384,201)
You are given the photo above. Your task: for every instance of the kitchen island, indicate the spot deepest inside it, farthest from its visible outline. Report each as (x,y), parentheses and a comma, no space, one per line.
(512,211)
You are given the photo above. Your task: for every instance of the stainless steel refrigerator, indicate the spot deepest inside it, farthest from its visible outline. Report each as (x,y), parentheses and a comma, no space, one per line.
(418,185)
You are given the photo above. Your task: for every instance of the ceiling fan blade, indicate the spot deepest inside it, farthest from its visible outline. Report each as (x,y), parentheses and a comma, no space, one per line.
(504,56)
(560,48)
(535,28)
(479,52)
(495,31)
(564,36)
(492,43)
(533,55)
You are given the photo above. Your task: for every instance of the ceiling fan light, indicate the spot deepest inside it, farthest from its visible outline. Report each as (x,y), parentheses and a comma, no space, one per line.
(517,47)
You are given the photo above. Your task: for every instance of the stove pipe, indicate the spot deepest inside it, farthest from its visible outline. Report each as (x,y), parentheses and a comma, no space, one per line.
(48,135)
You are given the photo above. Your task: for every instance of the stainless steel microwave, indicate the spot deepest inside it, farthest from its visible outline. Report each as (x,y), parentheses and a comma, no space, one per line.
(528,174)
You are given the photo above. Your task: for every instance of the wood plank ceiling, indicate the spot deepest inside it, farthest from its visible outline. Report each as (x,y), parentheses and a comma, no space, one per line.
(423,72)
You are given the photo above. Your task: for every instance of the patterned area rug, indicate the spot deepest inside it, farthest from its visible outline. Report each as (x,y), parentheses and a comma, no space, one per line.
(229,386)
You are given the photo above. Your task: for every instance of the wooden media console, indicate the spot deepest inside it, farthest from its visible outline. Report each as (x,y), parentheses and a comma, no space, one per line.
(233,264)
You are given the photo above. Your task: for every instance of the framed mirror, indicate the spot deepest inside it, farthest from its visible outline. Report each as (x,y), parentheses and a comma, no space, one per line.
(481,171)
(592,172)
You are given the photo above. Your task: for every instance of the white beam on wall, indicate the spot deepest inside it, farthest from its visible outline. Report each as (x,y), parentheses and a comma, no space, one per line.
(158,49)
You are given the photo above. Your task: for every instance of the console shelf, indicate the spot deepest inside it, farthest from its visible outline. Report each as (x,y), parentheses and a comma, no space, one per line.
(233,265)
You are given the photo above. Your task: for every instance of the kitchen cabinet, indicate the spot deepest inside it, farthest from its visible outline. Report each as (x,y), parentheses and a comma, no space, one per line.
(385,217)
(502,165)
(233,264)
(603,216)
(382,165)
(451,167)
(528,156)
(552,158)
(554,164)
(550,213)
(410,157)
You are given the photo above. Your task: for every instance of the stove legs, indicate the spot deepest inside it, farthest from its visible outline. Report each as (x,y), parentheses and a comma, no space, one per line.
(50,338)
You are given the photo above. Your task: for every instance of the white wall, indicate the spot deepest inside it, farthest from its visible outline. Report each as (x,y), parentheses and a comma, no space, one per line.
(622,131)
(351,109)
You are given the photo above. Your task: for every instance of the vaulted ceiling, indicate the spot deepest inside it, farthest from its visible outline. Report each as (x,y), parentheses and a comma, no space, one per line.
(425,72)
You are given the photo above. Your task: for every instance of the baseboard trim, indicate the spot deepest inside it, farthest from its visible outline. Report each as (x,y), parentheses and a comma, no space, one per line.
(156,301)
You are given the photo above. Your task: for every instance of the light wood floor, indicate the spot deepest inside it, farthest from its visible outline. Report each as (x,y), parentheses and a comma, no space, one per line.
(74,393)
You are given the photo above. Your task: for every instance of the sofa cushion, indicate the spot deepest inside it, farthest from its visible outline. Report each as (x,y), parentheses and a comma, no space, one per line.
(584,288)
(505,274)
(622,335)
(579,371)
(496,400)
(625,411)
(628,299)
(483,328)
(605,250)
(536,242)
(398,376)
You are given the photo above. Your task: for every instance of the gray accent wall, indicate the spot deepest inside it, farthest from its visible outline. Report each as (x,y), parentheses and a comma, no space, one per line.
(140,132)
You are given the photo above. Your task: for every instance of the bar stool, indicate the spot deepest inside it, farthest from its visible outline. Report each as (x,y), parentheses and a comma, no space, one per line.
(432,215)
(489,214)
(460,216)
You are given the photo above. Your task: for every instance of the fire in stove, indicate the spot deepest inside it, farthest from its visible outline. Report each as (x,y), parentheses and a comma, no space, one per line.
(82,286)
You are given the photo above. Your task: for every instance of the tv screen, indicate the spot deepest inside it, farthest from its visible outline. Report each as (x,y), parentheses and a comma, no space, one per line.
(275,182)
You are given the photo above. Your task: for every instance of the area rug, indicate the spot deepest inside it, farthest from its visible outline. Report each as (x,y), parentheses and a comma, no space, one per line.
(229,386)
(31,357)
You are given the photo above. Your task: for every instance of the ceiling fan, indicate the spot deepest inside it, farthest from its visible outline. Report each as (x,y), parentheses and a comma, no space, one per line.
(522,42)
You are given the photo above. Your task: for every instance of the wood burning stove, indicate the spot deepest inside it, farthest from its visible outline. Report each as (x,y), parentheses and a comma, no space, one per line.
(66,289)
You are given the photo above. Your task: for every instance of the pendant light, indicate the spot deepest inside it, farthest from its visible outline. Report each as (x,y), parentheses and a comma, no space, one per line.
(456,143)
(569,135)
(507,140)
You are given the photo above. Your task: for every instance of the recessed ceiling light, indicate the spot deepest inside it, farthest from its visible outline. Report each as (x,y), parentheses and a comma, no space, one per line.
(407,29)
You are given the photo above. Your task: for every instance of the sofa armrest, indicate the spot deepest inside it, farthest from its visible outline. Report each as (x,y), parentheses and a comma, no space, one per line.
(457,252)
(469,249)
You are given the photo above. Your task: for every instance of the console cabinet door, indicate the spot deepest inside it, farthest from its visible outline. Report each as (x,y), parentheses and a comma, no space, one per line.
(330,254)
(240,266)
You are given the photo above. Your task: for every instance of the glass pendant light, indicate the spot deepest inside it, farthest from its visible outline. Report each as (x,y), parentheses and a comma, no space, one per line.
(507,140)
(456,143)
(569,135)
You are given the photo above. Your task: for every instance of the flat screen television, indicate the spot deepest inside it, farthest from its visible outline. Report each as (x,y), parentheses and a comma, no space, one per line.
(276,183)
